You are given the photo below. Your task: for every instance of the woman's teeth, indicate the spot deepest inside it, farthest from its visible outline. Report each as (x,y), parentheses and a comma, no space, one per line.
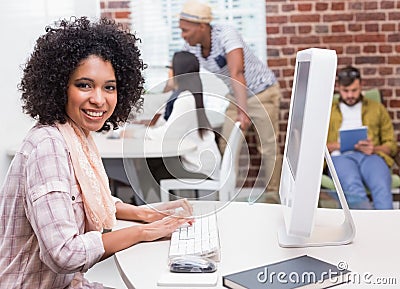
(94,113)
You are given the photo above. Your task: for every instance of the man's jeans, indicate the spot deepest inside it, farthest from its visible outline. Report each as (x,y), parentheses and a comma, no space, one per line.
(356,171)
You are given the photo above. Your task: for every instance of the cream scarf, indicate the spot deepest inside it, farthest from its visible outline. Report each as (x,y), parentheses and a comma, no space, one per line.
(91,176)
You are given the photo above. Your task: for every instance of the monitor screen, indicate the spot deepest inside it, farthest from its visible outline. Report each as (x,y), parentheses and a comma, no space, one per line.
(296,122)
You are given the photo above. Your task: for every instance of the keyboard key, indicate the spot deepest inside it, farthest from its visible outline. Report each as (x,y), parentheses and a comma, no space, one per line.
(200,239)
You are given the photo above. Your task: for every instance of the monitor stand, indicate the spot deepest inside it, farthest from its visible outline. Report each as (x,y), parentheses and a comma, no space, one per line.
(326,235)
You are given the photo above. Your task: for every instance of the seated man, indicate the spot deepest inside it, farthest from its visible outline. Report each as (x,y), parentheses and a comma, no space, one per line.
(370,161)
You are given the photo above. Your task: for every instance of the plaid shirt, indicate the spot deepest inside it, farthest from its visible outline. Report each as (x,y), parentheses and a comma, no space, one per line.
(42,220)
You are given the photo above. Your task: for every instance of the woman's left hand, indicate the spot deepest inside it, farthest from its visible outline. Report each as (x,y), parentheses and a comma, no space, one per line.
(180,208)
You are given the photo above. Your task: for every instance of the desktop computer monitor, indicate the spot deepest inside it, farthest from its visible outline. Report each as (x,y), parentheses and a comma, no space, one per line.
(305,148)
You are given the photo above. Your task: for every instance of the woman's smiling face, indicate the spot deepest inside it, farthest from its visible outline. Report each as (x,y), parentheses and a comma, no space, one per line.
(92,94)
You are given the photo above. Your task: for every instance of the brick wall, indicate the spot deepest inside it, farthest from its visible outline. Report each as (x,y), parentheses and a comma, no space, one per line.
(363,33)
(116,9)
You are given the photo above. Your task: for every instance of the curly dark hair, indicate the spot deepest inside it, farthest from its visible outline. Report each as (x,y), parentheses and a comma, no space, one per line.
(58,53)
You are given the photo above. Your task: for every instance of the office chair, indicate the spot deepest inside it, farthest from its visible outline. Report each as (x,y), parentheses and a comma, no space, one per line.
(327,182)
(226,183)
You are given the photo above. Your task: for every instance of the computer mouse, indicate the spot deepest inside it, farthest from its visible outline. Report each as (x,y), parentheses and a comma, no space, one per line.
(192,264)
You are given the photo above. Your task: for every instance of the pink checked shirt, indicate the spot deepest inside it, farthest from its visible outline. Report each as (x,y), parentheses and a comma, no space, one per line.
(43,242)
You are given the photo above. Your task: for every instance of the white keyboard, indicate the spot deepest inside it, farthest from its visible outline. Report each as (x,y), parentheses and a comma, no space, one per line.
(200,239)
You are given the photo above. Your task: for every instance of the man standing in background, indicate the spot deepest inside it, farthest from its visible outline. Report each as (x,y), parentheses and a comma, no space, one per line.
(254,92)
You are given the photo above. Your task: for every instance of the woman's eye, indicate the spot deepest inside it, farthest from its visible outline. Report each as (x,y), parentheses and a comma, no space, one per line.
(82,85)
(111,87)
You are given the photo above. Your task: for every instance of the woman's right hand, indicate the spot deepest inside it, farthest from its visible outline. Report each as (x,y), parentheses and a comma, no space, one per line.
(121,239)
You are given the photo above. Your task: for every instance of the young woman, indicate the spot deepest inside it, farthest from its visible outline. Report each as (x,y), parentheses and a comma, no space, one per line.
(185,118)
(55,204)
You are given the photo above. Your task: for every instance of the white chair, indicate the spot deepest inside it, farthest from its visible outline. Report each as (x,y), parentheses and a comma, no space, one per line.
(226,184)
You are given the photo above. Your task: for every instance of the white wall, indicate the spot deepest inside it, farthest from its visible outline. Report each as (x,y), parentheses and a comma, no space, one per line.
(21,23)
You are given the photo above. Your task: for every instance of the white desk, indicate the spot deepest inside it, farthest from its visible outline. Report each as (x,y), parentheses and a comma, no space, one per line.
(141,148)
(248,235)
(119,155)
